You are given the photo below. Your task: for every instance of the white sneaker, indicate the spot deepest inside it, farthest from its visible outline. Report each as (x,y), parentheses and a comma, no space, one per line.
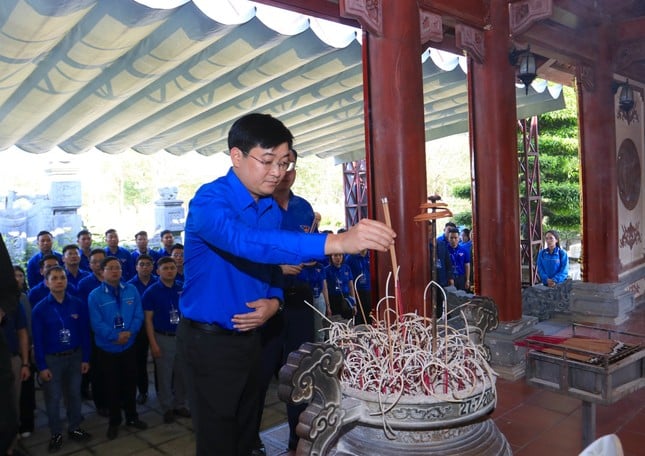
(24,435)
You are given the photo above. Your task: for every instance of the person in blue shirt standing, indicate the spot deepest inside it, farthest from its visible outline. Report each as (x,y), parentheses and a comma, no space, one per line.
(141,239)
(142,280)
(460,259)
(123,255)
(359,264)
(40,291)
(167,241)
(177,254)
(340,286)
(84,242)
(60,330)
(94,377)
(233,244)
(72,264)
(552,261)
(161,309)
(45,241)
(116,316)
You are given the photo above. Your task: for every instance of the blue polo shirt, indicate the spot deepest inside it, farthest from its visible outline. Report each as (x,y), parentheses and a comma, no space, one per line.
(161,300)
(338,279)
(86,285)
(315,276)
(40,292)
(360,267)
(49,317)
(74,280)
(105,303)
(139,285)
(459,256)
(230,242)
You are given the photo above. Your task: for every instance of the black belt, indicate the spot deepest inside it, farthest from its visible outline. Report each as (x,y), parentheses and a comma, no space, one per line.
(65,353)
(166,333)
(213,328)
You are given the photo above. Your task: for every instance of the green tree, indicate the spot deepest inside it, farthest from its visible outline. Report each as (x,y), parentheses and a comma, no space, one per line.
(560,168)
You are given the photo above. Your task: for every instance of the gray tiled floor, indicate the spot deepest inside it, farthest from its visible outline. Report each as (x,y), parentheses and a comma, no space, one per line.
(174,439)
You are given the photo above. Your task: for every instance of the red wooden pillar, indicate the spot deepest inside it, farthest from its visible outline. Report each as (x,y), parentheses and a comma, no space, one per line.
(596,116)
(394,120)
(493,123)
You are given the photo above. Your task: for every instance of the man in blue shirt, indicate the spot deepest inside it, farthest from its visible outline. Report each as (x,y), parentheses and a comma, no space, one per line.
(84,242)
(142,281)
(232,237)
(141,239)
(60,331)
(45,240)
(124,256)
(72,262)
(460,259)
(167,241)
(161,309)
(116,316)
(359,264)
(40,291)
(94,377)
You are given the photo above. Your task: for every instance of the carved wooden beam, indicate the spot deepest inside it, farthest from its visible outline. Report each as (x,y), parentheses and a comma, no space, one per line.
(525,13)
(369,13)
(431,27)
(475,13)
(569,47)
(586,77)
(470,40)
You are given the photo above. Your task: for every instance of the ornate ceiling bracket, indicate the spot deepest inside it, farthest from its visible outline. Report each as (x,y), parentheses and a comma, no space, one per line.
(431,27)
(586,77)
(368,12)
(525,13)
(470,40)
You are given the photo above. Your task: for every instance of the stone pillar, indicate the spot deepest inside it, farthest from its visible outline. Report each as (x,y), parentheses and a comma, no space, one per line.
(169,213)
(396,166)
(496,218)
(66,198)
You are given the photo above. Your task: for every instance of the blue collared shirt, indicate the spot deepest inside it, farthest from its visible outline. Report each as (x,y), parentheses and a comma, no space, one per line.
(231,241)
(105,303)
(338,279)
(49,317)
(360,267)
(139,285)
(161,300)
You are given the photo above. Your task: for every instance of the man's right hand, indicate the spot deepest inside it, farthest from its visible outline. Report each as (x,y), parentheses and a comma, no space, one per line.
(124,337)
(291,269)
(366,234)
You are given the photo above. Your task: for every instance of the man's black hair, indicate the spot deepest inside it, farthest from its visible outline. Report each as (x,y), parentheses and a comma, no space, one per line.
(257,129)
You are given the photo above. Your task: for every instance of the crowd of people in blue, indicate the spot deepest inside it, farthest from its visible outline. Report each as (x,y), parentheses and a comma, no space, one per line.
(258,279)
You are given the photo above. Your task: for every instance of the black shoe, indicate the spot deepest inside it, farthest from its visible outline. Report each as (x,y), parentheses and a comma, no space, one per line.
(112,432)
(259,451)
(182,412)
(168,417)
(142,398)
(79,435)
(55,443)
(137,423)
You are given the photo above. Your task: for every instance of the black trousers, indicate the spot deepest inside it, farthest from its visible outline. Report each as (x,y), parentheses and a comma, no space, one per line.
(8,418)
(120,375)
(96,379)
(28,402)
(223,383)
(141,345)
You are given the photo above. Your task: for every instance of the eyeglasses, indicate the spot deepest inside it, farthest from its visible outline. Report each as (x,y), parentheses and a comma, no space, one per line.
(113,268)
(284,167)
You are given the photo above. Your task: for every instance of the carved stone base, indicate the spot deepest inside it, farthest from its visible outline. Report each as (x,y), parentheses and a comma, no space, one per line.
(507,359)
(607,303)
(482,438)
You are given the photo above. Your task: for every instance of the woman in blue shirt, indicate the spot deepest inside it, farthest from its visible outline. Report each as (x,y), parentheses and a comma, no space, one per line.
(553,261)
